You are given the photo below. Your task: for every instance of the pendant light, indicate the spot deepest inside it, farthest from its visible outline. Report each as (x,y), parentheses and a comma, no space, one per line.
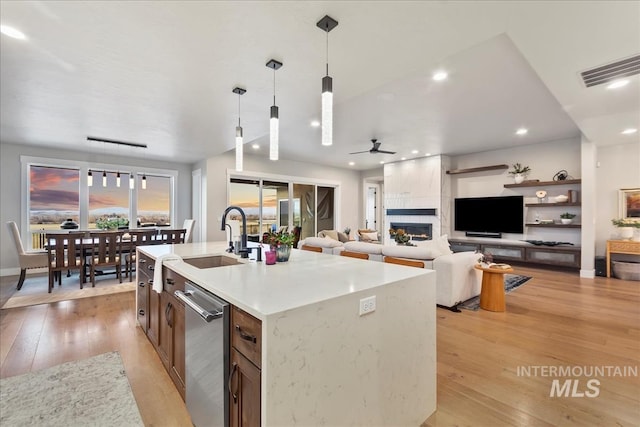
(118,179)
(144,181)
(89,179)
(274,126)
(132,181)
(327,24)
(104,178)
(239,146)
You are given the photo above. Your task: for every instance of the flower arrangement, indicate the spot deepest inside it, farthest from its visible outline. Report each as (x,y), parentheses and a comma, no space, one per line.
(280,238)
(567,215)
(626,223)
(518,169)
(347,230)
(400,236)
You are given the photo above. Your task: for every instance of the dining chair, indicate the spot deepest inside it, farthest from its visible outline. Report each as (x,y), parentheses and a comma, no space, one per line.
(65,252)
(106,251)
(358,255)
(188,225)
(172,236)
(26,259)
(138,238)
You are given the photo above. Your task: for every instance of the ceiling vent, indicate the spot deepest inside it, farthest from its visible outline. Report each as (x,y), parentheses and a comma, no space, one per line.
(615,70)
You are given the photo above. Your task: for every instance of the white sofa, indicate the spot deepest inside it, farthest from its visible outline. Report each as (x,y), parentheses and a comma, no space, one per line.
(456,278)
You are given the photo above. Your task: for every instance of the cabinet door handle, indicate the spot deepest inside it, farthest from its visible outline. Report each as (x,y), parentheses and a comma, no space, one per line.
(151,267)
(170,282)
(233,371)
(246,336)
(142,261)
(141,312)
(141,284)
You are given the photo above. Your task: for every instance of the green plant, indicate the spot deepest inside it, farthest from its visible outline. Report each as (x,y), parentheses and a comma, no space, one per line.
(567,215)
(519,169)
(347,230)
(280,238)
(626,223)
(111,223)
(399,235)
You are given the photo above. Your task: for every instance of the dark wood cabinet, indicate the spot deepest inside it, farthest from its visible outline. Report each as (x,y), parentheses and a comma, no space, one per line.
(244,384)
(177,355)
(165,334)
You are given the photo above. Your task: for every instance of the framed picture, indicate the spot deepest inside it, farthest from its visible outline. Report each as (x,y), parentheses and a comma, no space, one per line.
(629,203)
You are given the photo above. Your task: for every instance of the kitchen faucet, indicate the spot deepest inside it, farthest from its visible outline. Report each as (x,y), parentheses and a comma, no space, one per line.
(242,250)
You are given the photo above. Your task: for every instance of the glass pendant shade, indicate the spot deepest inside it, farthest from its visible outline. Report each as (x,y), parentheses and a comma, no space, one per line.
(89,179)
(132,182)
(104,178)
(327,111)
(273,133)
(118,180)
(239,149)
(144,182)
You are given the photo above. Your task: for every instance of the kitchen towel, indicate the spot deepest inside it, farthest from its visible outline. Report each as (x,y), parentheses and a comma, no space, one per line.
(157,272)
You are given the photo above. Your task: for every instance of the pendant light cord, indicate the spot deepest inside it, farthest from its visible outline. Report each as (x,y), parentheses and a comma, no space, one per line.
(274,85)
(238,110)
(327,30)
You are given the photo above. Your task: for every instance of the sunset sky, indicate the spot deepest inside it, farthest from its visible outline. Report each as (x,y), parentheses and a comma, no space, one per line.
(57,189)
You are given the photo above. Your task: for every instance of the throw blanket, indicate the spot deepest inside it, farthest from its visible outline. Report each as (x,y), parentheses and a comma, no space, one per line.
(157,272)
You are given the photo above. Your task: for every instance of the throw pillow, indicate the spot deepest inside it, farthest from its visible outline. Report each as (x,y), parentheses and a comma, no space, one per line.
(368,237)
(331,233)
(323,242)
(438,246)
(343,237)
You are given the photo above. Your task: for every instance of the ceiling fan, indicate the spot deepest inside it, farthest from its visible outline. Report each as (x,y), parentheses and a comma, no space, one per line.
(375,149)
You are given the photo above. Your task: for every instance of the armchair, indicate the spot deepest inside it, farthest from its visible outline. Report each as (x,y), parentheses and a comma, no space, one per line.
(27,259)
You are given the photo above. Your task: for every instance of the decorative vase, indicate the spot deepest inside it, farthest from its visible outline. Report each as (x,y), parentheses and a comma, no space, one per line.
(625,233)
(566,220)
(282,253)
(518,178)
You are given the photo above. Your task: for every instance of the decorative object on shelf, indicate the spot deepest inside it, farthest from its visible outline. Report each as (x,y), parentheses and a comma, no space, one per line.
(400,236)
(541,195)
(567,218)
(519,172)
(626,227)
(485,258)
(562,198)
(561,175)
(545,221)
(629,203)
(347,231)
(547,243)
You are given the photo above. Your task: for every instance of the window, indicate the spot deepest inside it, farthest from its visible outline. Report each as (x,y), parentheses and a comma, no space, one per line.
(154,201)
(53,197)
(110,204)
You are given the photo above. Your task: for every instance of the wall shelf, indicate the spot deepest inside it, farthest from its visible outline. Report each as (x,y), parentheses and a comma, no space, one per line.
(479,169)
(543,183)
(547,205)
(553,225)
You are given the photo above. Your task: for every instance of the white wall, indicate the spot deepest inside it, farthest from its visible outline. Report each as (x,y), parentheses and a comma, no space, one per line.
(617,167)
(348,206)
(10,174)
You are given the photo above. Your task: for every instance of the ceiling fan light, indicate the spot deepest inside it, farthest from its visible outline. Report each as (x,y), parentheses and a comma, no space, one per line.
(327,111)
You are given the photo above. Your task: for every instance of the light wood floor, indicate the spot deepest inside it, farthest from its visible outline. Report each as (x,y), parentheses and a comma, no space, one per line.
(556,319)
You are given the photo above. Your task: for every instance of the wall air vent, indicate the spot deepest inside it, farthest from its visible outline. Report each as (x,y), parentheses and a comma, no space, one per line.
(615,70)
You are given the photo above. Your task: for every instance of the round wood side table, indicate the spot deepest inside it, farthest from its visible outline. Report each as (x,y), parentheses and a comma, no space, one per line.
(492,295)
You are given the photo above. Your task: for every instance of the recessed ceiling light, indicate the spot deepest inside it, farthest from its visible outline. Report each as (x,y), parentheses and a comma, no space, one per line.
(315,123)
(522,131)
(629,131)
(382,162)
(427,154)
(352,163)
(403,158)
(414,152)
(439,76)
(618,83)
(12,32)
(255,146)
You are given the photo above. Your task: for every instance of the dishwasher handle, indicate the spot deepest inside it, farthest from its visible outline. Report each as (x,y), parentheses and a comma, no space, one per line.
(206,315)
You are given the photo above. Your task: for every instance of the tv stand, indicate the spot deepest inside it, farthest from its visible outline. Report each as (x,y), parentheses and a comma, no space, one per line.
(483,234)
(521,252)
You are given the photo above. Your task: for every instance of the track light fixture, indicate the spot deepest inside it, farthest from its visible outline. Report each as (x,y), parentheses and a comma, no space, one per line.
(327,24)
(274,126)
(239,142)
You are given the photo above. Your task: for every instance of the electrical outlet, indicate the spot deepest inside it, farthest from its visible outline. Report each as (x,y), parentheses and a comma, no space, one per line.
(367,305)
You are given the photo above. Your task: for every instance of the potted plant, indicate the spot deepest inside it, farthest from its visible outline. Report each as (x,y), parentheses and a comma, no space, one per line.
(281,242)
(400,236)
(567,218)
(626,227)
(519,172)
(347,231)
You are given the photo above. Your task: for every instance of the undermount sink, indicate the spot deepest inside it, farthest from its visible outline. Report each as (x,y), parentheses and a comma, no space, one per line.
(211,261)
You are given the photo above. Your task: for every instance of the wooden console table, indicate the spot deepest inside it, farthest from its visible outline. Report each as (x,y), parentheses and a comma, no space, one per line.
(620,247)
(492,294)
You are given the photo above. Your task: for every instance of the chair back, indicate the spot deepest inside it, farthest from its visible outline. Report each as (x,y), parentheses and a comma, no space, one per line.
(142,238)
(188,225)
(15,233)
(107,247)
(65,250)
(172,236)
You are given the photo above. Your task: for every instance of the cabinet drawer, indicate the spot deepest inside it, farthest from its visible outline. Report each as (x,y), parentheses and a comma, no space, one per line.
(514,253)
(172,281)
(146,264)
(246,335)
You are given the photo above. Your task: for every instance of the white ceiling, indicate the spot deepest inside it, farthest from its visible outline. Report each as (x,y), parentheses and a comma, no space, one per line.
(162,73)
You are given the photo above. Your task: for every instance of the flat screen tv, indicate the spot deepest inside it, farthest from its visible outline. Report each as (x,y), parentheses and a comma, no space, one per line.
(489,214)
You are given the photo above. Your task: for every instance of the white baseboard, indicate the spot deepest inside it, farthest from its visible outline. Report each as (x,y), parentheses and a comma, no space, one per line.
(588,274)
(16,271)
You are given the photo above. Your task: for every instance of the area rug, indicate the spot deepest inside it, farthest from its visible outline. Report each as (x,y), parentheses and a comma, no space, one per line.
(511,282)
(89,392)
(35,290)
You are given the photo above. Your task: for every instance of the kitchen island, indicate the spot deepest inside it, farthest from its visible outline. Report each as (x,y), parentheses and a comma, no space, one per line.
(321,362)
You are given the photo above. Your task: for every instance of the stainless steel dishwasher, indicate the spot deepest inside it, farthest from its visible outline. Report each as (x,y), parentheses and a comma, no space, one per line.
(207,319)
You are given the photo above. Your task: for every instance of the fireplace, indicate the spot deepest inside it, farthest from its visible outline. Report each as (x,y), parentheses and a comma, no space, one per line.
(417,231)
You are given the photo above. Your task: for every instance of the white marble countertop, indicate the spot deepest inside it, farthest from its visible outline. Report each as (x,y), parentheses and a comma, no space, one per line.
(263,290)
